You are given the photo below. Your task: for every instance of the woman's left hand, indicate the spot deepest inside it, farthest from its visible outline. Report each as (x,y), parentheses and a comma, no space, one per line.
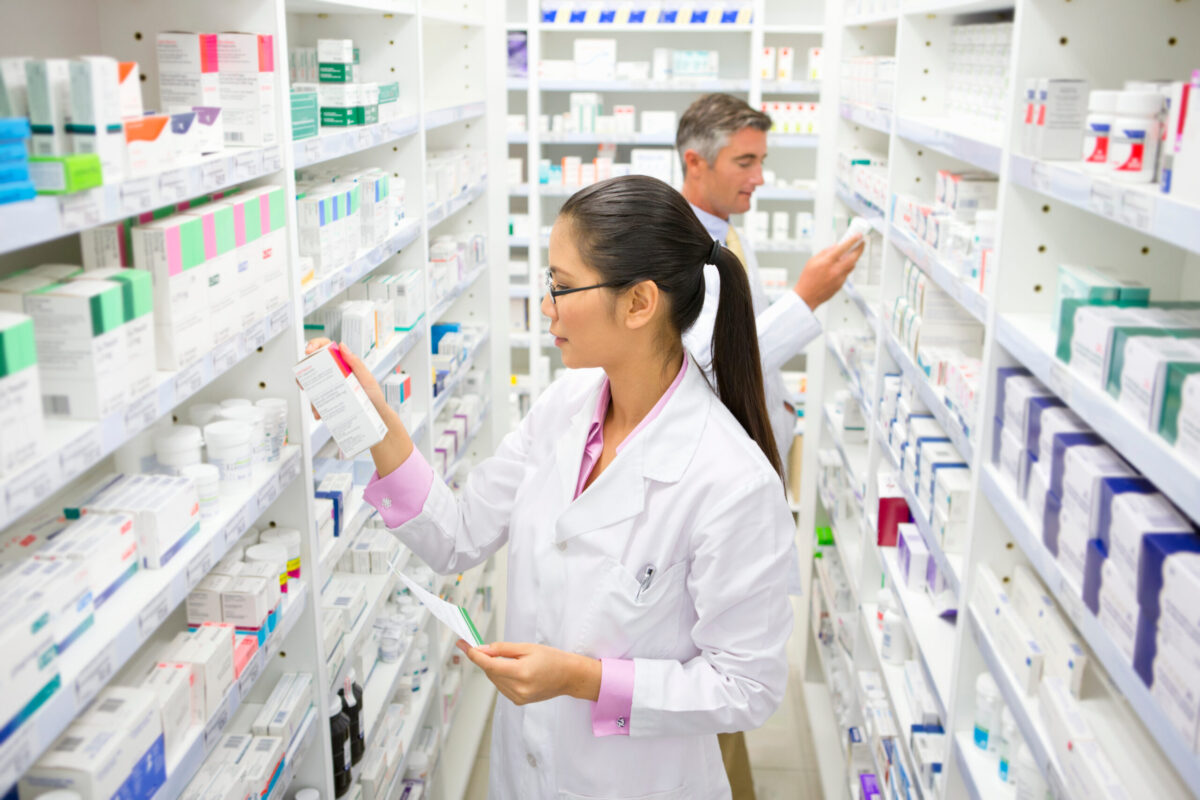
(531,673)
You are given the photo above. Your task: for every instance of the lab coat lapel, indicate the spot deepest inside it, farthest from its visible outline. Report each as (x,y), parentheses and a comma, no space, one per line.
(569,450)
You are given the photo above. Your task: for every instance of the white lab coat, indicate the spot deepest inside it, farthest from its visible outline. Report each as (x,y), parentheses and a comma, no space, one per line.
(691,495)
(785,328)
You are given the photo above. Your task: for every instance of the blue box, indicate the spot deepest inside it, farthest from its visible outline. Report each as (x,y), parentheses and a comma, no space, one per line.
(1033,421)
(1063,441)
(1156,548)
(1097,552)
(1109,489)
(1050,522)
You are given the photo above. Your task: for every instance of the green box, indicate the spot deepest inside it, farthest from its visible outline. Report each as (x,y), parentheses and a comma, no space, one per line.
(1177,374)
(336,73)
(367,115)
(389,92)
(1086,286)
(1121,337)
(336,117)
(65,174)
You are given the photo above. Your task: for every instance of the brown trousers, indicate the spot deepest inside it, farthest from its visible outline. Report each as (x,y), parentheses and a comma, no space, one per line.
(737,764)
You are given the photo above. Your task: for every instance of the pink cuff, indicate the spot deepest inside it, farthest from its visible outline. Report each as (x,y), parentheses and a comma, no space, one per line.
(401,495)
(610,712)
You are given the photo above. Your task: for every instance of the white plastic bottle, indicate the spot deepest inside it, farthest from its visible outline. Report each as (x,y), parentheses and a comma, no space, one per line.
(895,638)
(987,712)
(1030,783)
(886,603)
(1009,739)
(1133,146)
(1102,108)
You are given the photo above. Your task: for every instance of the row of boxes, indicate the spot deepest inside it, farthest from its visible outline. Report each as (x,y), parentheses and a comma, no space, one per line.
(779,64)
(342,214)
(647,12)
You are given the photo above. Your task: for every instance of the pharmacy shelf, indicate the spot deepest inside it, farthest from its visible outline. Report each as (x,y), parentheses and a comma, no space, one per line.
(862,208)
(1027,535)
(201,740)
(452,114)
(1023,708)
(453,382)
(129,618)
(351,6)
(933,399)
(873,118)
(1140,207)
(444,211)
(377,587)
(893,679)
(447,302)
(1030,339)
(676,85)
(298,745)
(852,380)
(955,6)
(519,290)
(466,445)
(430,688)
(597,138)
(46,218)
(638,27)
(73,446)
(803,30)
(381,362)
(466,730)
(950,564)
(957,138)
(337,142)
(854,455)
(942,273)
(443,14)
(885,447)
(792,141)
(358,511)
(791,87)
(980,771)
(321,290)
(785,193)
(830,750)
(864,298)
(932,635)
(869,20)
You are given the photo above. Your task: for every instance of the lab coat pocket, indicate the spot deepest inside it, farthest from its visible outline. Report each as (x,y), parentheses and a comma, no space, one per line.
(626,621)
(673,794)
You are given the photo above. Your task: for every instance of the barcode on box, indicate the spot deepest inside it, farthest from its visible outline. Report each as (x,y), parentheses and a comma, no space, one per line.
(264,745)
(111,704)
(235,136)
(58,404)
(69,744)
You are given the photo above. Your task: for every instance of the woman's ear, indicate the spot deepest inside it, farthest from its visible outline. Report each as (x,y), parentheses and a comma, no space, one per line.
(640,304)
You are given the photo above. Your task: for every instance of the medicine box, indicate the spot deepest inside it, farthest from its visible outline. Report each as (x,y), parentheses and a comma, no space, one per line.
(210,652)
(95,113)
(172,251)
(48,87)
(219,269)
(246,66)
(147,145)
(68,174)
(29,663)
(165,510)
(1148,360)
(86,760)
(172,687)
(137,299)
(340,400)
(272,247)
(1062,110)
(263,763)
(188,73)
(209,129)
(245,604)
(20,387)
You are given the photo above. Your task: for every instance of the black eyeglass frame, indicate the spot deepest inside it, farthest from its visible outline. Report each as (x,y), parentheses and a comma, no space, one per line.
(557,293)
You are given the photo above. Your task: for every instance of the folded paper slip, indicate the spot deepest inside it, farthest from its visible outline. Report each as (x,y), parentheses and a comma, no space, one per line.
(453,617)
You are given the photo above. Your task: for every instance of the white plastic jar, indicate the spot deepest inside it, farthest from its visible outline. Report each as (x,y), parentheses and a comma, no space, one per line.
(289,538)
(229,450)
(1102,113)
(1007,749)
(894,648)
(256,419)
(208,480)
(987,712)
(178,447)
(1133,145)
(203,413)
(271,553)
(276,409)
(235,402)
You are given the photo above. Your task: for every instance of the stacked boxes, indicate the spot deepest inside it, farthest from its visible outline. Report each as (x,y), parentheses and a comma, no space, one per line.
(15,183)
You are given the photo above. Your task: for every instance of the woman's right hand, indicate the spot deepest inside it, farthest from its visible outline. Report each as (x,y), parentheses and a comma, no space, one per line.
(361,372)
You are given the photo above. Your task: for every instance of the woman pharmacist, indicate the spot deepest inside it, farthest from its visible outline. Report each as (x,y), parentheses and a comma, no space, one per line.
(648,529)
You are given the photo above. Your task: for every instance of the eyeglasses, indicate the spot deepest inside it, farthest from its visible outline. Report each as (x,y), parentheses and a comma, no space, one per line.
(557,293)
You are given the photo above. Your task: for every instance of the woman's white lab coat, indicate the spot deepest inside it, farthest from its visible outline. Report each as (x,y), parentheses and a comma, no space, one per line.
(692,496)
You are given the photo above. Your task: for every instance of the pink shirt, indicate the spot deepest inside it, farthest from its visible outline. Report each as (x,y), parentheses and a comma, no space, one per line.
(401,495)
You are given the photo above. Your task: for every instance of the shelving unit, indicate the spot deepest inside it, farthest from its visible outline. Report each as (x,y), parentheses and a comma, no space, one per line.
(449,63)
(1049,213)
(775,22)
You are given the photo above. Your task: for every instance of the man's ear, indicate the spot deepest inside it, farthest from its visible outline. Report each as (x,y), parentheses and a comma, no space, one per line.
(639,304)
(693,161)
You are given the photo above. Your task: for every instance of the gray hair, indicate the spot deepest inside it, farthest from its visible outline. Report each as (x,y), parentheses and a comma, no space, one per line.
(709,122)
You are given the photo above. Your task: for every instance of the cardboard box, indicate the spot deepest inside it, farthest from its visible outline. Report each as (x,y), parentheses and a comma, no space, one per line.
(188,74)
(247,88)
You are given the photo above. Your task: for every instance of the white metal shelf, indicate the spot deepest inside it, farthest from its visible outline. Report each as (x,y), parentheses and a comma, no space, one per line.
(792,141)
(942,273)
(957,138)
(637,27)
(335,142)
(73,446)
(46,218)
(853,382)
(444,14)
(351,6)
(873,118)
(800,29)
(649,139)
(451,114)
(1017,519)
(791,87)
(377,587)
(862,297)
(444,211)
(932,635)
(869,20)
(447,392)
(129,618)
(1141,207)
(674,85)
(854,456)
(299,744)
(202,739)
(862,208)
(471,437)
(444,304)
(322,289)
(1029,338)
(955,6)
(933,399)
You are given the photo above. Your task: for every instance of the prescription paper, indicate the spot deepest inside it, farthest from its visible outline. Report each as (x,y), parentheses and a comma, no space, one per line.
(453,617)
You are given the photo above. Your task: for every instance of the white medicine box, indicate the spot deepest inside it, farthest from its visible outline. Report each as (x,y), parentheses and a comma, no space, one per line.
(20,392)
(246,64)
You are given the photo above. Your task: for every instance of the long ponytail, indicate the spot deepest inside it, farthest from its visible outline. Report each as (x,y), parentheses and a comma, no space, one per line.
(637,228)
(736,364)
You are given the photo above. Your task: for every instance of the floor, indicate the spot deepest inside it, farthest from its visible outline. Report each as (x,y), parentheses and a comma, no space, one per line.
(782,757)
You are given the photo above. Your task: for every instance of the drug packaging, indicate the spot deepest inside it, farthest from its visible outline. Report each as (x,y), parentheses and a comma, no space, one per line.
(340,400)
(172,251)
(188,70)
(20,392)
(166,512)
(247,88)
(137,299)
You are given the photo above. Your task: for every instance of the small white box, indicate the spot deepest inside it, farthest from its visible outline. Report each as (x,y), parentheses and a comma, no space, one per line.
(204,602)
(335,51)
(137,293)
(247,87)
(766,64)
(230,749)
(95,118)
(785,61)
(262,761)
(172,251)
(20,387)
(188,74)
(596,59)
(340,400)
(165,510)
(245,603)
(210,652)
(48,82)
(86,760)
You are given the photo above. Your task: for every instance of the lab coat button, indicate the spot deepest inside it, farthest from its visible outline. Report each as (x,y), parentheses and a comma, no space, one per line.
(620,722)
(562,545)
(532,761)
